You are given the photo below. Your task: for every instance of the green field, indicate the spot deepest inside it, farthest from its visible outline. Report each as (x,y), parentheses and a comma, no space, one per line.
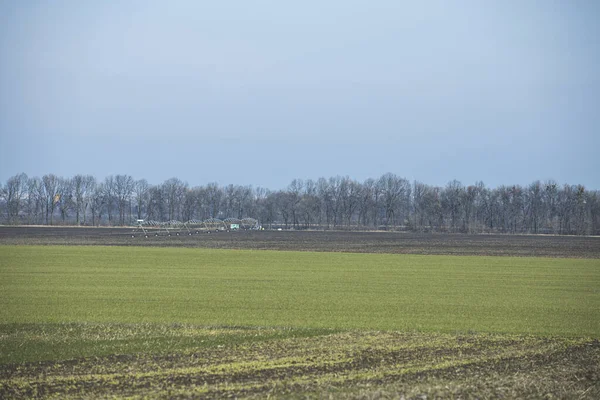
(133,321)
(300,289)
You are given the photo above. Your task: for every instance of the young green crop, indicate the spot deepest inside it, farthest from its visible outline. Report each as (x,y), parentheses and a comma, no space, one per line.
(55,284)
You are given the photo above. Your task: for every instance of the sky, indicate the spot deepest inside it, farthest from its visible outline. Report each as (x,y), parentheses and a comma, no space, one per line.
(263,92)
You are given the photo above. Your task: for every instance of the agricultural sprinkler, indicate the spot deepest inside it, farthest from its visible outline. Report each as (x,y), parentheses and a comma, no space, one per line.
(194,226)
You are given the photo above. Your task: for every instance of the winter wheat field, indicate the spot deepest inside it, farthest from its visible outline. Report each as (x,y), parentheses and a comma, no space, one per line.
(97,312)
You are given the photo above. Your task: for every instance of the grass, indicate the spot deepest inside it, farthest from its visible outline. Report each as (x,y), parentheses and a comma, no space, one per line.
(148,322)
(55,284)
(22,343)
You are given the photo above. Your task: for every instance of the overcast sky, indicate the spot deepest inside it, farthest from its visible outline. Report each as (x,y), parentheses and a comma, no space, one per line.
(262,92)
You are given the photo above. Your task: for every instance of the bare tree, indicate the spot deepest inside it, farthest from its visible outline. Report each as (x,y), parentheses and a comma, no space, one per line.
(451,202)
(141,188)
(65,201)
(333,202)
(534,206)
(3,196)
(396,196)
(565,201)
(468,196)
(79,189)
(34,207)
(294,196)
(432,202)
(13,195)
(190,203)
(83,185)
(593,204)
(285,203)
(109,193)
(202,205)
(156,204)
(97,203)
(367,203)
(51,196)
(267,205)
(310,205)
(349,198)
(237,200)
(91,185)
(516,208)
(174,193)
(581,210)
(324,193)
(214,197)
(551,202)
(419,204)
(124,185)
(40,197)
(246,201)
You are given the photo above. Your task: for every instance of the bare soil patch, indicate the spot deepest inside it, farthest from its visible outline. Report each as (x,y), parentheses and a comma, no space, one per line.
(327,241)
(340,365)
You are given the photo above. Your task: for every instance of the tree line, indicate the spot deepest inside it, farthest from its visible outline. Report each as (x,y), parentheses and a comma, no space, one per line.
(389,202)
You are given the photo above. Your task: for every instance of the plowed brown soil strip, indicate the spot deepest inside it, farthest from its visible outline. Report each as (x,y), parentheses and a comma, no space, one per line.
(359,242)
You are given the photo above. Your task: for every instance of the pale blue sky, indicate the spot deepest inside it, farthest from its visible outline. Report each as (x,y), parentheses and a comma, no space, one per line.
(262,92)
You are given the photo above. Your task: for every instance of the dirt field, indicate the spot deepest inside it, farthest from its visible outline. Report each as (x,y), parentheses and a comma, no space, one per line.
(345,365)
(363,242)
